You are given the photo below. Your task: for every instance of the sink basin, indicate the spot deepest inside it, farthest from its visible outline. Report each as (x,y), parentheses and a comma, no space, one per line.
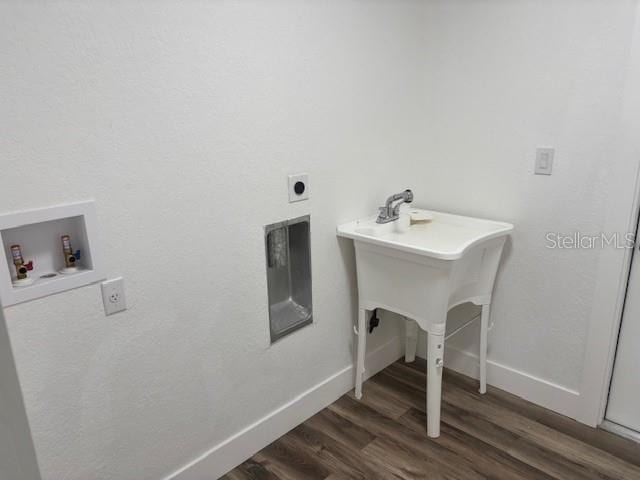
(445,236)
(421,271)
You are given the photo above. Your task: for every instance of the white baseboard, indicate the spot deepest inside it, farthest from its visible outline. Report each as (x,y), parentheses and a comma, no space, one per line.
(536,390)
(620,430)
(241,446)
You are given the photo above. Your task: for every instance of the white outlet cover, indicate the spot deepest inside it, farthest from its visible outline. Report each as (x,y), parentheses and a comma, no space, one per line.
(298,187)
(113,296)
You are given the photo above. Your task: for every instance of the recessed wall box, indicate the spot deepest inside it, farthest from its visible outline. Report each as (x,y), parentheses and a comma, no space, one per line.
(288,252)
(39,234)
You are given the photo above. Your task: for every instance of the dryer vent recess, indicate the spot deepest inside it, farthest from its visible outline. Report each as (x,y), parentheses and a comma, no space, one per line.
(288,259)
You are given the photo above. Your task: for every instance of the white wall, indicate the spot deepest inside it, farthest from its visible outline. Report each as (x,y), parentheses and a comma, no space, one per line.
(603,335)
(17,454)
(505,77)
(182,120)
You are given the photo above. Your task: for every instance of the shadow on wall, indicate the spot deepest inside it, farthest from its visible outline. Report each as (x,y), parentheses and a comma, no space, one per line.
(17,454)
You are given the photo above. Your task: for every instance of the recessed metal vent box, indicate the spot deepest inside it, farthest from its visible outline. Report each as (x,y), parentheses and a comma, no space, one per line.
(288,252)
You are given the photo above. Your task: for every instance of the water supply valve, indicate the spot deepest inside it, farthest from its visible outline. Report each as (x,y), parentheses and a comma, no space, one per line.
(21,267)
(70,257)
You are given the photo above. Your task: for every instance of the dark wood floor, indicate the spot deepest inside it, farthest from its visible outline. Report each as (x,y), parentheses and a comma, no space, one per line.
(496,436)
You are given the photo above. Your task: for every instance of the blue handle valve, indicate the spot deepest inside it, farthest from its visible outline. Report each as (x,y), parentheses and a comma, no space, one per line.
(77,254)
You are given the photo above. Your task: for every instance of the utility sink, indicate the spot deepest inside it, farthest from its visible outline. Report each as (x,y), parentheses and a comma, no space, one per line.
(421,271)
(439,235)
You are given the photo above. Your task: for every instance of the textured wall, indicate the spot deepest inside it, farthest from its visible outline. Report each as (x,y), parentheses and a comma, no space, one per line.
(17,454)
(506,77)
(182,120)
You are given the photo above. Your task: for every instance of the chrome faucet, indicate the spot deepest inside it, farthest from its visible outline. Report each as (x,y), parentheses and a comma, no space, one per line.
(391,212)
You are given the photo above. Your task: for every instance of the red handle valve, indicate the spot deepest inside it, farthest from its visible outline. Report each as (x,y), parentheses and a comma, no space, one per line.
(29,265)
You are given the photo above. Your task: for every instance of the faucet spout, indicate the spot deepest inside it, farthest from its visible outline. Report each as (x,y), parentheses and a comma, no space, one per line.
(391,212)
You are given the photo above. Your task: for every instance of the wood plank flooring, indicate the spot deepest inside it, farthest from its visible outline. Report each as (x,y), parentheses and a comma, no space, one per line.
(496,436)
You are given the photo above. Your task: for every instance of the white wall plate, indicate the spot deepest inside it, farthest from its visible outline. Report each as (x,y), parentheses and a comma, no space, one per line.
(113,296)
(544,160)
(298,187)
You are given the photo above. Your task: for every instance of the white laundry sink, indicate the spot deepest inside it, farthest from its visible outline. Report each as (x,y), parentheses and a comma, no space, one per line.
(445,236)
(421,271)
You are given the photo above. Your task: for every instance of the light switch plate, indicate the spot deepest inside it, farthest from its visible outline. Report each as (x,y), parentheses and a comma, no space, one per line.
(113,296)
(544,160)
(298,187)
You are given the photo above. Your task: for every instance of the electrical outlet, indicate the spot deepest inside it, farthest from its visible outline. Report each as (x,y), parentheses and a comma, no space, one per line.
(298,187)
(113,296)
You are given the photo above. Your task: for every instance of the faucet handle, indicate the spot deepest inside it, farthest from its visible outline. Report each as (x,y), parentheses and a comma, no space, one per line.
(383,215)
